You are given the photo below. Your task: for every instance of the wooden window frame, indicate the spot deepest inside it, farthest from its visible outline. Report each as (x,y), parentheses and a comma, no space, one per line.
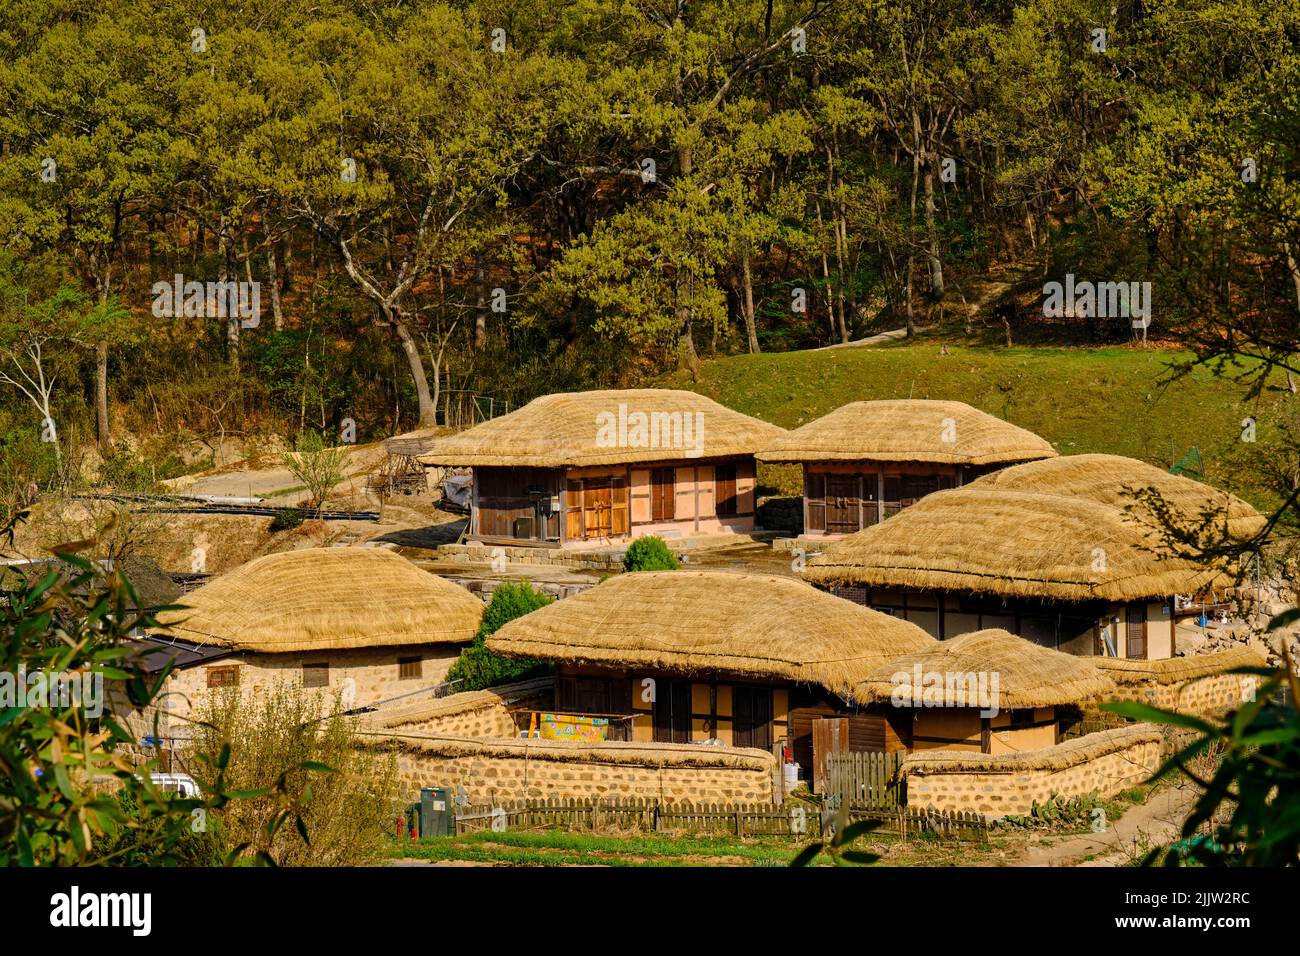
(217,676)
(314,669)
(410,668)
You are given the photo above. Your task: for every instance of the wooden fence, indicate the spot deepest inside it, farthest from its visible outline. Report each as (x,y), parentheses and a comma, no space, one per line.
(810,821)
(867,781)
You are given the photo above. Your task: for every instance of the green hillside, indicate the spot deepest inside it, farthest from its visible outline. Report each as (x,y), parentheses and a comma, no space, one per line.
(1115,400)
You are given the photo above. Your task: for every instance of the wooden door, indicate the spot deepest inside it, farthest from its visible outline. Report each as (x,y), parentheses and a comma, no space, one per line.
(751,716)
(814,496)
(1135,632)
(672,712)
(841,504)
(597,509)
(573,511)
(830,736)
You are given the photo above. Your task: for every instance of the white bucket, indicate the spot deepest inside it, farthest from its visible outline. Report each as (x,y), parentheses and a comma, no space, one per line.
(790,776)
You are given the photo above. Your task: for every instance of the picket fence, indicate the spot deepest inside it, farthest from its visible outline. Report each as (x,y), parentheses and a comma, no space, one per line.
(739,819)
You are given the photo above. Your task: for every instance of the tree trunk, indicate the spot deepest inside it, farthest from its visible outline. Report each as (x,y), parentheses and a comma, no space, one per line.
(428,411)
(747,303)
(232,321)
(273,279)
(101,397)
(480,307)
(907,299)
(932,235)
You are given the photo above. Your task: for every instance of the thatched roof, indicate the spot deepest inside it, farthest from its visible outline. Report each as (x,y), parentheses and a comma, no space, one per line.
(1114,480)
(326,599)
(422,708)
(1012,543)
(565,430)
(1177,670)
(1027,675)
(908,430)
(694,622)
(626,753)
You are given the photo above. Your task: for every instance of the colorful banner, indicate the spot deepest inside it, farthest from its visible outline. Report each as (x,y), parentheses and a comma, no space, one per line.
(580,729)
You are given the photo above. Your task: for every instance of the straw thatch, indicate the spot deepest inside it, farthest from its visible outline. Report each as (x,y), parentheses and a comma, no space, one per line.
(908,430)
(326,599)
(1177,670)
(693,622)
(563,430)
(1027,675)
(641,754)
(1062,756)
(416,710)
(1016,544)
(1114,480)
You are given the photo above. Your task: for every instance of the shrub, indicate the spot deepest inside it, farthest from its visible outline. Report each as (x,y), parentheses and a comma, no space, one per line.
(649,554)
(317,466)
(288,519)
(275,740)
(477,667)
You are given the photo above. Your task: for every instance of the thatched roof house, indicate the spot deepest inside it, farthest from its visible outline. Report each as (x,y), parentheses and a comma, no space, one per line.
(911,430)
(868,460)
(1029,676)
(714,622)
(602,467)
(745,659)
(988,691)
(1075,572)
(1013,544)
(326,599)
(1117,481)
(363,620)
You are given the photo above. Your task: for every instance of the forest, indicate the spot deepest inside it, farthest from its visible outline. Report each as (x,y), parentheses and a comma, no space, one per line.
(257,221)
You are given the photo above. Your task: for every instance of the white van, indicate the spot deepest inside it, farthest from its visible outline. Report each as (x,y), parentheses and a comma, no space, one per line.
(181,784)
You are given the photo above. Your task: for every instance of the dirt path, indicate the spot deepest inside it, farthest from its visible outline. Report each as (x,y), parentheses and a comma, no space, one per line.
(1159,820)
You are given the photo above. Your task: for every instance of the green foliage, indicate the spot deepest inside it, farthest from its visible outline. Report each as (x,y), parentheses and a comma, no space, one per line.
(842,835)
(650,553)
(1057,812)
(287,520)
(477,667)
(318,466)
(1247,812)
(294,764)
(69,793)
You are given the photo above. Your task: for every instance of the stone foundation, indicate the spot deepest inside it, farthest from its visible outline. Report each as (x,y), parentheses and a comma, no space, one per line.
(514,768)
(1106,762)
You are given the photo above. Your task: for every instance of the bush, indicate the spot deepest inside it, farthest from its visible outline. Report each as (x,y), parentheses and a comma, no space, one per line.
(279,748)
(649,554)
(477,667)
(288,519)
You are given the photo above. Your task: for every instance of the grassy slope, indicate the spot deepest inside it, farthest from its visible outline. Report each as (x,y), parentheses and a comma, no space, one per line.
(1082,400)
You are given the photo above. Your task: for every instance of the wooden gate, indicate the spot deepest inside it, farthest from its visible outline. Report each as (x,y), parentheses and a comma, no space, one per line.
(830,735)
(867,781)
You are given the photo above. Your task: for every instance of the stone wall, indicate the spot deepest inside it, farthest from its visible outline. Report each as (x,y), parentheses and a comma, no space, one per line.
(1197,685)
(514,768)
(995,786)
(1204,696)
